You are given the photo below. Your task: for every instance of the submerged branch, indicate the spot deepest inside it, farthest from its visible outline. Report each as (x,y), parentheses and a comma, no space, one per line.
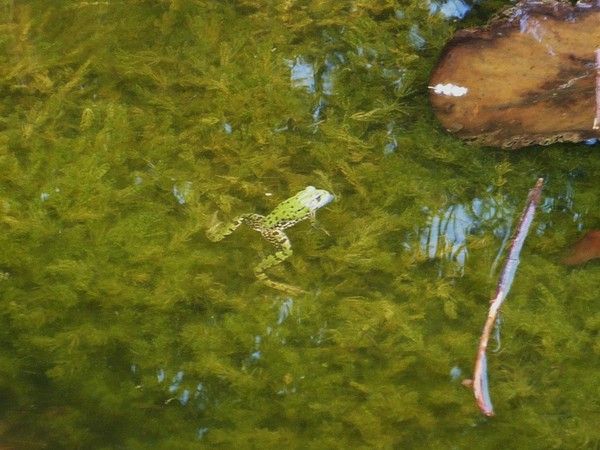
(480,379)
(596,124)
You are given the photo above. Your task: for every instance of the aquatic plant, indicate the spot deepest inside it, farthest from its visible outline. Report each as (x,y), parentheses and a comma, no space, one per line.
(124,126)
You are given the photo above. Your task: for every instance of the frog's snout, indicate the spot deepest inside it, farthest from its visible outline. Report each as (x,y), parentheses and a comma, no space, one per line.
(323,198)
(328,198)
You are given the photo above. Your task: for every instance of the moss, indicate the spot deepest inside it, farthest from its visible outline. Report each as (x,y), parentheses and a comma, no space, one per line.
(125,126)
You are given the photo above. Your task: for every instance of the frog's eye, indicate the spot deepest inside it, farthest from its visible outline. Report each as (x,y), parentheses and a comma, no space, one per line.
(313,198)
(323,198)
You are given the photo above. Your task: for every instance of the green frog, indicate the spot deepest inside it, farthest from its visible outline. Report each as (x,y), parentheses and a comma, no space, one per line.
(295,209)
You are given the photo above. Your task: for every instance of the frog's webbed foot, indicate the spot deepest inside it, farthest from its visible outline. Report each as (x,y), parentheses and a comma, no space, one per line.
(283,287)
(317,226)
(214,228)
(282,243)
(264,279)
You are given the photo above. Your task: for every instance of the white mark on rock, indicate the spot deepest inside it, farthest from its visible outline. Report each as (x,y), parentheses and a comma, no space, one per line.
(449,89)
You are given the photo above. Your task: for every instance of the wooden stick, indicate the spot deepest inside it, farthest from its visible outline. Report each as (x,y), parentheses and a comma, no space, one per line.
(596,124)
(480,378)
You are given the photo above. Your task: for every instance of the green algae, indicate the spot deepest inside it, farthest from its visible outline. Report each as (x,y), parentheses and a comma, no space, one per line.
(125,126)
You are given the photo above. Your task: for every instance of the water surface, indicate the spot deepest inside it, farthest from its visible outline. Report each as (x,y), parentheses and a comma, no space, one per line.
(124,126)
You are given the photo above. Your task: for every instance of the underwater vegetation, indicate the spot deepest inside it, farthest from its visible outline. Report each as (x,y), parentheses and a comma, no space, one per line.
(125,126)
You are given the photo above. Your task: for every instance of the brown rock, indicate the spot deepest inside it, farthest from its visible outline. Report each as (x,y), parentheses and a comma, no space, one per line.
(528,77)
(586,249)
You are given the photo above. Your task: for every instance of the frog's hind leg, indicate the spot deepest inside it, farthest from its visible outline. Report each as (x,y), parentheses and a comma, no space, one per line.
(218,231)
(284,251)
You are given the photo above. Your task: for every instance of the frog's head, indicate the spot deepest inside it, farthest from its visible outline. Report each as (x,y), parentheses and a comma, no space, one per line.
(313,198)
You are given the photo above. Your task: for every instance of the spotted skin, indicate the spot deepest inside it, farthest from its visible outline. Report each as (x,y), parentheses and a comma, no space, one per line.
(295,209)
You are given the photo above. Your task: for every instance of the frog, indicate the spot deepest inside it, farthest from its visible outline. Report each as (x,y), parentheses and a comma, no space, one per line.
(303,205)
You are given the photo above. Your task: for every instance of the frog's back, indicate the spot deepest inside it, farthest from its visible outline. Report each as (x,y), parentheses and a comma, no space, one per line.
(288,213)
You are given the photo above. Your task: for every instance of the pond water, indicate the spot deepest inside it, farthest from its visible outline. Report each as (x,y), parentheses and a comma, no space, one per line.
(124,128)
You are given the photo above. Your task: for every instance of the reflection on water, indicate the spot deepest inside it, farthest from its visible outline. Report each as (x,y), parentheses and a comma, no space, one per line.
(319,80)
(445,233)
(392,143)
(285,310)
(415,38)
(182,191)
(123,326)
(302,74)
(453,9)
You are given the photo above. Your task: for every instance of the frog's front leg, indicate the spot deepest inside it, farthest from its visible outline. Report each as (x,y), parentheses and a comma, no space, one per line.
(284,251)
(313,222)
(218,231)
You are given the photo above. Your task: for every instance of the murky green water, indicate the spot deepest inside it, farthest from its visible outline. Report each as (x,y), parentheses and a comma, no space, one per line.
(124,126)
